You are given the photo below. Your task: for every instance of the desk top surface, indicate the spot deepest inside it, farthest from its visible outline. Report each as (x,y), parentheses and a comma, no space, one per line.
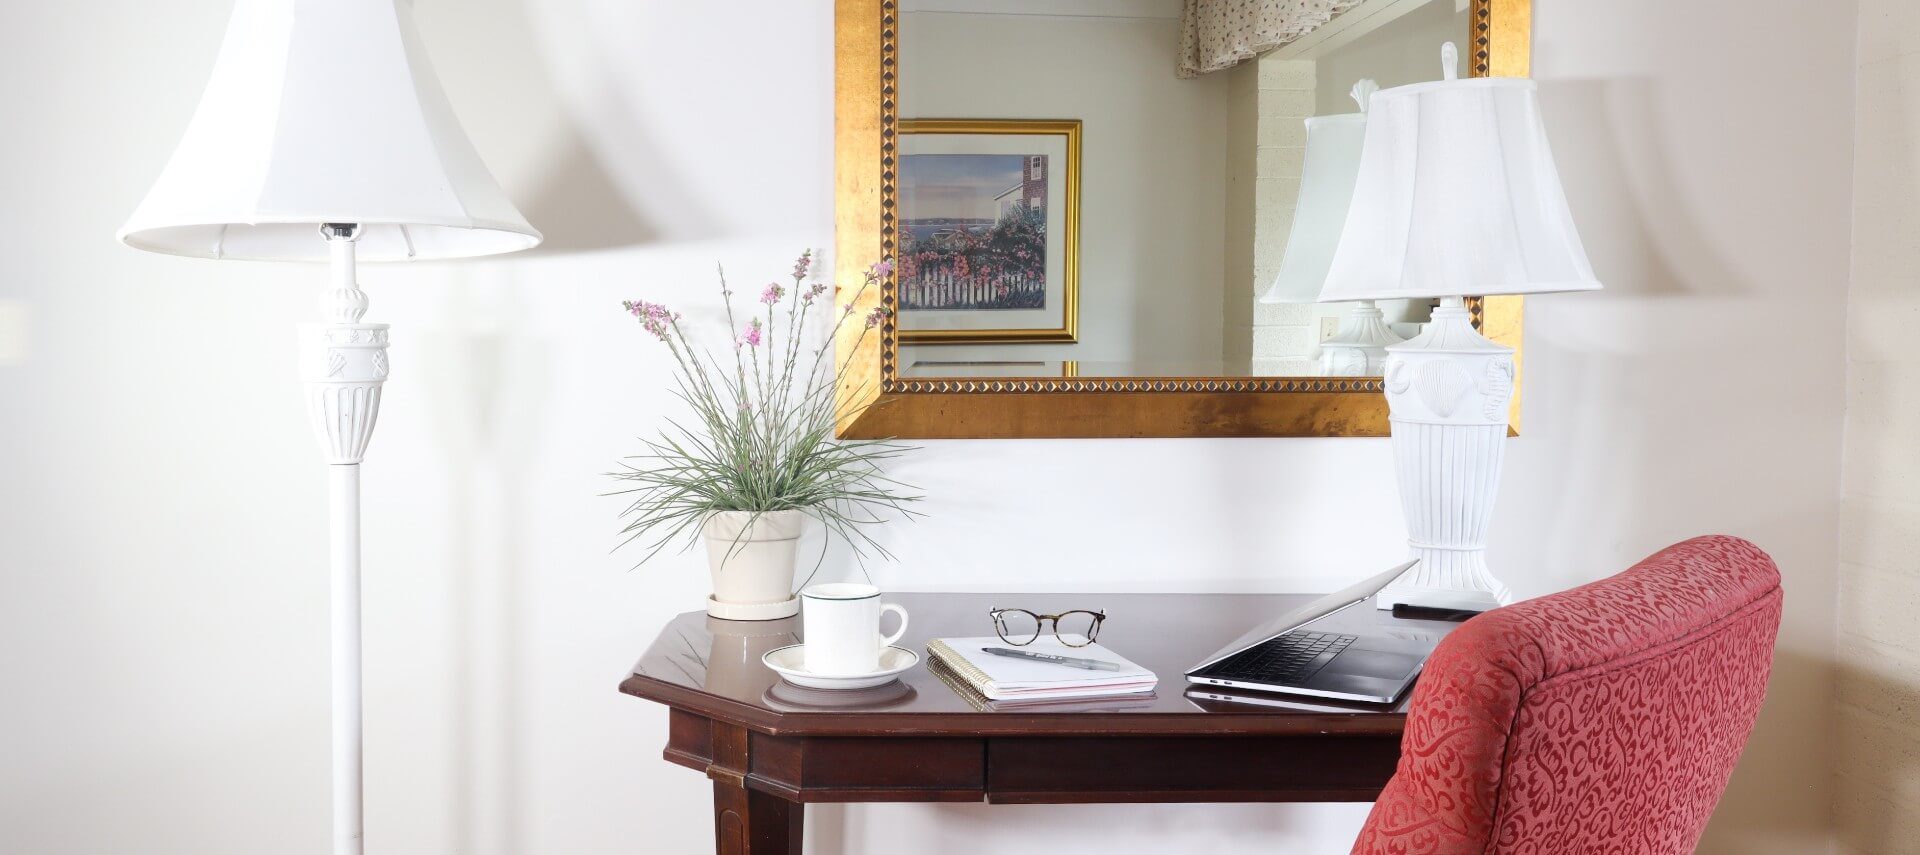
(712,667)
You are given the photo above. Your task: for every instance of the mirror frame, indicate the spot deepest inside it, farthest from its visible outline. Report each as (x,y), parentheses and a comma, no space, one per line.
(875,402)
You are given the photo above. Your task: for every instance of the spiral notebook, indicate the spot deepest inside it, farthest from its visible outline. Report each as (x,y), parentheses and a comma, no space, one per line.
(1094,703)
(1000,678)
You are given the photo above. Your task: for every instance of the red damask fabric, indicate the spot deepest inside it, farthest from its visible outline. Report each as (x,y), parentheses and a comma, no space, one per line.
(1604,719)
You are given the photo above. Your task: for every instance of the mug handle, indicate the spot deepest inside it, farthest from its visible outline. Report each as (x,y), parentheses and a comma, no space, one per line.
(889,640)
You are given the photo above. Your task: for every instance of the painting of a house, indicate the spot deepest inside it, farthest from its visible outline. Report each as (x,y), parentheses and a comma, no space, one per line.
(974,232)
(1031,191)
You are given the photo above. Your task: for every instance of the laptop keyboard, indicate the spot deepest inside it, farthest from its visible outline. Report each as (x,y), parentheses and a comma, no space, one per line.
(1291,658)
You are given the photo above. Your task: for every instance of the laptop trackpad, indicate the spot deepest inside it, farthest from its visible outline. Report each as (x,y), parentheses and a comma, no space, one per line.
(1377,664)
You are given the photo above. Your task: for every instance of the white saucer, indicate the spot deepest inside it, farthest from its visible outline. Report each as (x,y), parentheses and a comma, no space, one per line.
(787,661)
(787,697)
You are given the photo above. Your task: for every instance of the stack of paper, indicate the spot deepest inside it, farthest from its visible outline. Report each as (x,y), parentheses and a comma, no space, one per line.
(1002,678)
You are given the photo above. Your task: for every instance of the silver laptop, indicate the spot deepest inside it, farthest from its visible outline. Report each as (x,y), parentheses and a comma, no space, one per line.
(1286,655)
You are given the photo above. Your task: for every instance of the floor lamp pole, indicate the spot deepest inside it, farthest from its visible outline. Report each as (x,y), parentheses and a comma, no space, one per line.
(345,363)
(344,494)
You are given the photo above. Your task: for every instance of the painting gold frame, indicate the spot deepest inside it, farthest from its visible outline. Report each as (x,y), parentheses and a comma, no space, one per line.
(1069,329)
(875,401)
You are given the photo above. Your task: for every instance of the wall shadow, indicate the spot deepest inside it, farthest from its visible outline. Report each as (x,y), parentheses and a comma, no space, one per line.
(1617,189)
(485,404)
(578,207)
(1869,814)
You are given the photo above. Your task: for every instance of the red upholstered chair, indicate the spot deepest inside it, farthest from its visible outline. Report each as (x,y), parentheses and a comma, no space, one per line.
(1604,719)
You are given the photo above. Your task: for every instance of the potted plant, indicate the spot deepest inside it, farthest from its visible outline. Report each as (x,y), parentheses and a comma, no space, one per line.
(759,462)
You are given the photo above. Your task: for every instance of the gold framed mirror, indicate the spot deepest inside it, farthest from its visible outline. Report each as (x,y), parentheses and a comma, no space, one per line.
(998,350)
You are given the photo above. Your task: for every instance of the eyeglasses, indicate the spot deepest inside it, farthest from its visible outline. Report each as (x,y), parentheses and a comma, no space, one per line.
(1076,628)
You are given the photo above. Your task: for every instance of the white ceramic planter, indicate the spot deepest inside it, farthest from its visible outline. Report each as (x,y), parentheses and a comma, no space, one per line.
(753,565)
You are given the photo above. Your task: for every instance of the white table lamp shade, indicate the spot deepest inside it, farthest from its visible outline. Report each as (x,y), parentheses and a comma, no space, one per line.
(1326,188)
(325,111)
(1457,194)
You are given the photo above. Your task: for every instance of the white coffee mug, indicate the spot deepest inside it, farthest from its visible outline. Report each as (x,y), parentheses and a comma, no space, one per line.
(841,621)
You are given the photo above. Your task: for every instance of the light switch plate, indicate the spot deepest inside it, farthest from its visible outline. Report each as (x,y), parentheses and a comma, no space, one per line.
(13,332)
(1329,327)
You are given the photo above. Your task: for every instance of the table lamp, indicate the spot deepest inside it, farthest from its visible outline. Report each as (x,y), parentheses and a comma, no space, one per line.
(323,134)
(1457,194)
(1327,173)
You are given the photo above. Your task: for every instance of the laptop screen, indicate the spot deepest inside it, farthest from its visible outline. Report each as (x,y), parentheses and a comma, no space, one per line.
(1306,614)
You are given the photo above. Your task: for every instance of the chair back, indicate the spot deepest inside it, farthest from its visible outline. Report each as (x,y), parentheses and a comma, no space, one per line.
(1606,718)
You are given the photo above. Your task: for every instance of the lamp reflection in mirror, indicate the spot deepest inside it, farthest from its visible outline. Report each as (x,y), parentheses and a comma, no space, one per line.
(1456,194)
(1327,175)
(323,134)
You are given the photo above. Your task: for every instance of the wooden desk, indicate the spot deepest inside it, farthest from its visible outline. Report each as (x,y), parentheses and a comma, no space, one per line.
(770,747)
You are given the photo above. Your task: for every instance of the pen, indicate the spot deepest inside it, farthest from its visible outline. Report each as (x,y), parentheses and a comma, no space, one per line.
(1069,661)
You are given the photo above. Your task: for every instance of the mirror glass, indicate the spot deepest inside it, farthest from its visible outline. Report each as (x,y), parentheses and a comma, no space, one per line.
(1069,206)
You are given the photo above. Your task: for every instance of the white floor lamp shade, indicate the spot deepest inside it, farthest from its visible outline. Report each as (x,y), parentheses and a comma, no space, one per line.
(1457,194)
(323,134)
(325,111)
(1327,174)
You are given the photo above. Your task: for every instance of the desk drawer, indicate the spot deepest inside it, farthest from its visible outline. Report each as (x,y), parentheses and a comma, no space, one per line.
(1310,767)
(859,769)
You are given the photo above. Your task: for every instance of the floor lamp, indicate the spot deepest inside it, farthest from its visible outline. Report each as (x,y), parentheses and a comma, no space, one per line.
(1456,194)
(324,135)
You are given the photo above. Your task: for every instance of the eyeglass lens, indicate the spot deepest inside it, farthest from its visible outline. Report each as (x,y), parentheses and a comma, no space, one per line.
(1076,628)
(1017,626)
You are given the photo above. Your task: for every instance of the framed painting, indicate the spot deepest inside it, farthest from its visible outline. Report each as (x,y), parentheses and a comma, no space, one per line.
(989,231)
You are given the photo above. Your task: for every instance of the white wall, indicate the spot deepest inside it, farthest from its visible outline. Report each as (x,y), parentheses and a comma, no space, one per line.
(1398,52)
(1877,761)
(164,597)
(1153,175)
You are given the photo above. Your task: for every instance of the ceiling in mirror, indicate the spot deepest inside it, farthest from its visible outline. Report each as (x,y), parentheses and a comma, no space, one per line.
(1070,207)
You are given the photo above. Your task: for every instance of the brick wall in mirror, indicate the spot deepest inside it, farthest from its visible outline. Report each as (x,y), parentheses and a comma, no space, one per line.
(1087,235)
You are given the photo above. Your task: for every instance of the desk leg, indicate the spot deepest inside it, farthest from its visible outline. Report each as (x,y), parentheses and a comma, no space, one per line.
(746,822)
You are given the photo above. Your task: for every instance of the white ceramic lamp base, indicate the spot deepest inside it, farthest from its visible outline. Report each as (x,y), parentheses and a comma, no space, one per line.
(1447,391)
(1360,350)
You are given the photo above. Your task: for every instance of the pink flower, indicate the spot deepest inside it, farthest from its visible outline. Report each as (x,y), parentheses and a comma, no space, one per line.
(773,293)
(814,292)
(801,266)
(751,335)
(878,314)
(881,269)
(655,317)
